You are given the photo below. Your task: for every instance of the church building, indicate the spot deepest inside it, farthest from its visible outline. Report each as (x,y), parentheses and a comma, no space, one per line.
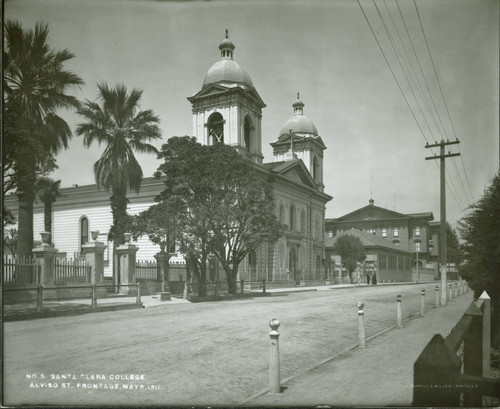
(227,109)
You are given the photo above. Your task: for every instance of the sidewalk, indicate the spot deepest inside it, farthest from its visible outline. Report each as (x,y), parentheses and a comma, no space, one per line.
(380,375)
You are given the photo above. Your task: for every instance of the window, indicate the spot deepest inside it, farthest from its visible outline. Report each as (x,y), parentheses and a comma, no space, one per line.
(292,217)
(383,262)
(84,231)
(248,133)
(417,246)
(395,232)
(384,232)
(215,129)
(417,231)
(330,234)
(303,222)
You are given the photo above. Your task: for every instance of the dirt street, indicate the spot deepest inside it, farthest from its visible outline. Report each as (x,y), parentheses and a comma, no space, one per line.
(204,353)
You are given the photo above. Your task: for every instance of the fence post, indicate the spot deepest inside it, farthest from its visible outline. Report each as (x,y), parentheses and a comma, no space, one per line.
(94,295)
(94,255)
(127,254)
(274,358)
(422,302)
(437,296)
(455,291)
(138,300)
(186,290)
(39,298)
(399,316)
(361,325)
(486,333)
(264,286)
(241,286)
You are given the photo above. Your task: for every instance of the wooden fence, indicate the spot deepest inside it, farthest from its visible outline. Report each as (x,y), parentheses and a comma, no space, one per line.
(71,271)
(19,271)
(452,371)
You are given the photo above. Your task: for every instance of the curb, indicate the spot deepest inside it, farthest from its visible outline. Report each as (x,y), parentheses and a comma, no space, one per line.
(63,313)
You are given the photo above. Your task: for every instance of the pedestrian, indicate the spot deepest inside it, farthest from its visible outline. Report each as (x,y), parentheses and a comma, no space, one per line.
(368,279)
(374,279)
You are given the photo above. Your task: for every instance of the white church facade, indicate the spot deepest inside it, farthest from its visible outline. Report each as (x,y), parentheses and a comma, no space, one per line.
(227,109)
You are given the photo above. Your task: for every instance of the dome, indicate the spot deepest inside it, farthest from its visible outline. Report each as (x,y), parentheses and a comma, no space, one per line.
(299,124)
(228,71)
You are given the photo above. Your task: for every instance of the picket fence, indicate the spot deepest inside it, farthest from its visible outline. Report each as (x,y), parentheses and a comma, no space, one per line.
(145,270)
(71,271)
(19,271)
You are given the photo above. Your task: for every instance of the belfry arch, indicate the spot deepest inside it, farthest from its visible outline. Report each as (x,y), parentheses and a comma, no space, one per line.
(215,126)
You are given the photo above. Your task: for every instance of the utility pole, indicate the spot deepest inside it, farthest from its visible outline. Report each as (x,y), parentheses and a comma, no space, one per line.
(442,242)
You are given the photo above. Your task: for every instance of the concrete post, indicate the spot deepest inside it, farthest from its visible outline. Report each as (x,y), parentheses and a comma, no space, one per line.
(138,299)
(486,333)
(422,302)
(437,296)
(45,254)
(126,253)
(399,315)
(94,254)
(39,299)
(94,295)
(274,358)
(361,325)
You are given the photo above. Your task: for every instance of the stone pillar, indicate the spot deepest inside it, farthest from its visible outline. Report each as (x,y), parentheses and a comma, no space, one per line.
(45,254)
(127,253)
(94,254)
(162,260)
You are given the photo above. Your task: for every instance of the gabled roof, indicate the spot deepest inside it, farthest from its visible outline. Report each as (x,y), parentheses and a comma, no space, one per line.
(368,240)
(292,169)
(379,213)
(285,139)
(221,88)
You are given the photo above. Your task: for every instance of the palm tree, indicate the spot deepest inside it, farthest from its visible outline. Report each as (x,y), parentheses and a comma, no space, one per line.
(48,191)
(35,85)
(118,123)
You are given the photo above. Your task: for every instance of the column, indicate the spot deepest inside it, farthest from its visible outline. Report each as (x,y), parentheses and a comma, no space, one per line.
(45,254)
(126,253)
(163,260)
(94,254)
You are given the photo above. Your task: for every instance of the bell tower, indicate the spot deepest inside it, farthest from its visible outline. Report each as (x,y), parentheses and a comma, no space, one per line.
(228,108)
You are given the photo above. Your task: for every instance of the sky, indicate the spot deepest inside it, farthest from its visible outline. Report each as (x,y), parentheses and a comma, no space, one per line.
(363,70)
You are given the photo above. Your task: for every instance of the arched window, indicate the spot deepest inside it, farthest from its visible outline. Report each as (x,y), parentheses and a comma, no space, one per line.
(292,217)
(303,222)
(248,133)
(84,231)
(315,169)
(215,129)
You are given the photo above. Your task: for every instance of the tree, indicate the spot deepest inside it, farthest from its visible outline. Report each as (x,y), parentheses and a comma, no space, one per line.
(35,85)
(222,201)
(480,230)
(118,124)
(351,251)
(48,191)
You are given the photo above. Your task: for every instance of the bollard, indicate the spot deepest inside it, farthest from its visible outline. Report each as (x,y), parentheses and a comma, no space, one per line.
(455,291)
(138,300)
(399,315)
(422,302)
(361,325)
(39,299)
(94,296)
(274,358)
(186,290)
(437,296)
(264,286)
(241,286)
(450,292)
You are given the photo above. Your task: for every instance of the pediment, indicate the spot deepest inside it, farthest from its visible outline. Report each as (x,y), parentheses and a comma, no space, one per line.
(217,89)
(372,213)
(296,171)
